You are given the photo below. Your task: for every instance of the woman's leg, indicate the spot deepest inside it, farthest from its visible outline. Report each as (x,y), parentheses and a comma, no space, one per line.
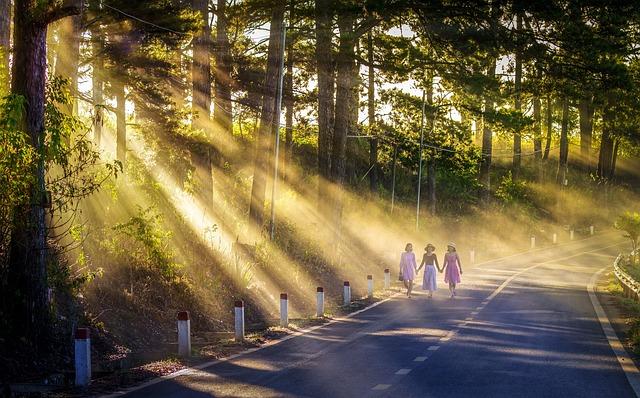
(410,288)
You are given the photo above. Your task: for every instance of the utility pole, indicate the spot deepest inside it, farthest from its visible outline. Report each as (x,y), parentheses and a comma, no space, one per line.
(277,132)
(393,181)
(420,167)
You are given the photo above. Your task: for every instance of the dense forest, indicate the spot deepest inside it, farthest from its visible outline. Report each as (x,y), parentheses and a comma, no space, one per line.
(164,155)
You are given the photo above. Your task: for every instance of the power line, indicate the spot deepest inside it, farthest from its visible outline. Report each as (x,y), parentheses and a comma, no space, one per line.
(146,22)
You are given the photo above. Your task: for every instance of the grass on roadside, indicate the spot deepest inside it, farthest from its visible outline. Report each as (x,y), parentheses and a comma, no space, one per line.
(632,311)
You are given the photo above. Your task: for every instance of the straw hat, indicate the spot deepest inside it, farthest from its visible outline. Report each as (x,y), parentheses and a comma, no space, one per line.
(451,244)
(429,245)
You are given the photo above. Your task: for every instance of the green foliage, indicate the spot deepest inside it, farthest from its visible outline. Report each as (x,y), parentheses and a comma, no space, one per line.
(512,192)
(141,242)
(629,222)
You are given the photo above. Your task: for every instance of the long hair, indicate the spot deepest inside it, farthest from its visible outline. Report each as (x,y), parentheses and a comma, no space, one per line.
(408,245)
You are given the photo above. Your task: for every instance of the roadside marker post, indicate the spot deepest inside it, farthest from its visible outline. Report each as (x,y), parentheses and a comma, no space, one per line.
(472,256)
(370,286)
(82,351)
(591,230)
(346,293)
(320,302)
(184,334)
(555,238)
(239,321)
(571,235)
(284,310)
(387,279)
(533,242)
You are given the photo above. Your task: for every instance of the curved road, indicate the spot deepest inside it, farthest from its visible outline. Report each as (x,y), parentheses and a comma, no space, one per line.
(522,326)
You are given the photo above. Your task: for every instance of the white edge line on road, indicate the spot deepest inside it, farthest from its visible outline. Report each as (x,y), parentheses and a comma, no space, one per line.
(629,368)
(301,332)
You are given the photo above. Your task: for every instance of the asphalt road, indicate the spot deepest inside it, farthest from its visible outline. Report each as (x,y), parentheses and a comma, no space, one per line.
(523,326)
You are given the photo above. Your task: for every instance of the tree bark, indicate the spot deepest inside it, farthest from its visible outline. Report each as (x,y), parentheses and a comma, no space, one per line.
(5,41)
(223,109)
(324,60)
(547,145)
(371,110)
(121,122)
(27,268)
(586,109)
(517,136)
(605,160)
(431,161)
(289,101)
(267,128)
(537,136)
(97,83)
(487,139)
(201,81)
(561,174)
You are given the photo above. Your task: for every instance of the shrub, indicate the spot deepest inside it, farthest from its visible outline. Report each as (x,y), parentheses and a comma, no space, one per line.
(630,223)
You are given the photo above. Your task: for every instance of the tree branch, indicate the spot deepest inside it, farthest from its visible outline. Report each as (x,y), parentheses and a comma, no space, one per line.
(60,12)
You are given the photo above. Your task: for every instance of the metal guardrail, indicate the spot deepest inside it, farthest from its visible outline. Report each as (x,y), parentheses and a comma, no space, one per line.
(630,287)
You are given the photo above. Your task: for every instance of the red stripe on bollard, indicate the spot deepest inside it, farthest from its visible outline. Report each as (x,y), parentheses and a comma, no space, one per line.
(386,271)
(283,296)
(369,276)
(239,303)
(183,315)
(82,333)
(346,283)
(320,289)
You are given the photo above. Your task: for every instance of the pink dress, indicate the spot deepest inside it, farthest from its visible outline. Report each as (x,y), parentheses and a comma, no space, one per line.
(408,266)
(451,270)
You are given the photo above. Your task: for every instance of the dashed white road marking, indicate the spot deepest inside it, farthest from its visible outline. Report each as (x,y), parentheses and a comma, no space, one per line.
(403,371)
(433,348)
(380,387)
(469,318)
(420,359)
(474,313)
(445,338)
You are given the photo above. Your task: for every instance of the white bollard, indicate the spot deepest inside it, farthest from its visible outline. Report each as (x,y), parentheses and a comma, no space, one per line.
(82,357)
(239,324)
(320,302)
(555,238)
(370,286)
(533,242)
(346,293)
(571,235)
(184,334)
(284,310)
(472,256)
(387,279)
(591,230)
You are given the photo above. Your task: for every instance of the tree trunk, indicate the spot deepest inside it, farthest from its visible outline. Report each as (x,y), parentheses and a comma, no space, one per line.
(605,160)
(537,136)
(517,136)
(324,60)
(5,42)
(97,83)
(289,102)
(431,161)
(547,145)
(264,135)
(27,268)
(371,110)
(487,140)
(121,121)
(223,109)
(586,109)
(201,81)
(561,175)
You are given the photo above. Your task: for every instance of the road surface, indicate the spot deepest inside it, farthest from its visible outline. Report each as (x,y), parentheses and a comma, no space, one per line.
(522,326)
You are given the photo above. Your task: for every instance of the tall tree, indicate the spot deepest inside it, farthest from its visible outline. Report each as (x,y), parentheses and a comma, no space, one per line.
(517,136)
(549,122)
(97,84)
(431,161)
(223,109)
(121,120)
(5,40)
(586,111)
(68,53)
(326,82)
(201,75)
(267,128)
(289,97)
(371,112)
(563,160)
(487,135)
(27,274)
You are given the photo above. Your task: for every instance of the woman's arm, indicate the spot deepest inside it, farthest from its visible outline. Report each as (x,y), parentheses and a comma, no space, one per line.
(424,259)
(435,261)
(459,263)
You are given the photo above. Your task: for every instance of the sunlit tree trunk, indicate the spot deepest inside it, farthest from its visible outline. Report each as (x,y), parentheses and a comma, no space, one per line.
(586,109)
(223,109)
(121,121)
(289,101)
(563,159)
(201,81)
(487,139)
(267,129)
(537,135)
(324,61)
(371,111)
(5,41)
(549,121)
(27,268)
(517,136)
(606,156)
(97,84)
(431,160)
(68,54)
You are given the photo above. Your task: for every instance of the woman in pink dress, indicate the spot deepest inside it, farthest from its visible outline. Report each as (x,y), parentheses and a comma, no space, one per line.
(452,268)
(408,268)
